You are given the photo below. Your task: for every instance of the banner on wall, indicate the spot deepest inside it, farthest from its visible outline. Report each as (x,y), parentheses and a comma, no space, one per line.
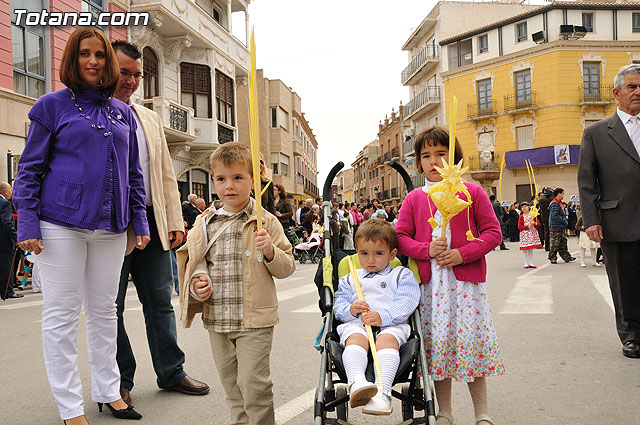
(561,154)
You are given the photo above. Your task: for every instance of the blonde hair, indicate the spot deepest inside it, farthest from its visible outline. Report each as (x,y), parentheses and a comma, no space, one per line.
(232,153)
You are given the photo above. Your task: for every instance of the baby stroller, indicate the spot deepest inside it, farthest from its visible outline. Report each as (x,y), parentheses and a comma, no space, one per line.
(416,392)
(310,250)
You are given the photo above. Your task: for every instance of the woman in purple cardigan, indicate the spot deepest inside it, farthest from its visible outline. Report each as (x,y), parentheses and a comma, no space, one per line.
(460,338)
(79,185)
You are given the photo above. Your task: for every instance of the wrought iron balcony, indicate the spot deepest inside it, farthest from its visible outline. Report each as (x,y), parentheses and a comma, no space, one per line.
(395,153)
(481,110)
(395,193)
(478,163)
(177,119)
(384,195)
(515,103)
(380,161)
(430,96)
(408,145)
(426,55)
(595,94)
(386,156)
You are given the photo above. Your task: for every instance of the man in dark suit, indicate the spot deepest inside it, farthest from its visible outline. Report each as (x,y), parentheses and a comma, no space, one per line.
(497,209)
(7,242)
(608,177)
(543,206)
(189,210)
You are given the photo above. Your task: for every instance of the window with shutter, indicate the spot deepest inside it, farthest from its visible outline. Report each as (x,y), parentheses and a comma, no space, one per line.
(224,98)
(150,70)
(524,137)
(195,84)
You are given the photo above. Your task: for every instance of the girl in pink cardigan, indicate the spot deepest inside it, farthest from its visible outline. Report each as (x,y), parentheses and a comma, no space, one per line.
(459,335)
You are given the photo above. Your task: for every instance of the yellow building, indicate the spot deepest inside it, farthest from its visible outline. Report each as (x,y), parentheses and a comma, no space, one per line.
(527,87)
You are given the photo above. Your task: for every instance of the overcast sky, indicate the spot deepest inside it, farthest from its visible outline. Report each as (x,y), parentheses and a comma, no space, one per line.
(343,58)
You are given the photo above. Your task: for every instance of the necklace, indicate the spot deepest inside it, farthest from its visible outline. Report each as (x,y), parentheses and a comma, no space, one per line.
(96,126)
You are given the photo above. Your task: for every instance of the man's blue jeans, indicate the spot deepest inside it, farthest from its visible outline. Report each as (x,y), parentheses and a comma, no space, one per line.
(150,271)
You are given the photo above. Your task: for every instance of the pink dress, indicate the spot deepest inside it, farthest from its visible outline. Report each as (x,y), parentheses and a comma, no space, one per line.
(529,238)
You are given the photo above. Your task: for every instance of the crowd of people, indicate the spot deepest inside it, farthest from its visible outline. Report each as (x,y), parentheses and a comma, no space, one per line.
(112,213)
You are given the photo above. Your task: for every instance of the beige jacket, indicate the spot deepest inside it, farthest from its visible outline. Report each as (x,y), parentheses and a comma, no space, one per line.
(162,180)
(260,301)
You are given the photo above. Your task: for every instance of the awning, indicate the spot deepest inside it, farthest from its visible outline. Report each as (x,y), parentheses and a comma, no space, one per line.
(549,155)
(410,160)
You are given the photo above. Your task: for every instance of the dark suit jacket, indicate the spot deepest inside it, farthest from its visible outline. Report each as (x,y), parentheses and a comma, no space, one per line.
(7,227)
(608,176)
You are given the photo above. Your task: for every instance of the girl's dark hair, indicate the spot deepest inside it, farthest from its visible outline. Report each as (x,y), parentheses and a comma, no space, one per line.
(434,136)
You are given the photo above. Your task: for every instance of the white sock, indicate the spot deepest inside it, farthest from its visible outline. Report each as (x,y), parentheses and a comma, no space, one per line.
(354,359)
(582,251)
(525,254)
(530,254)
(593,256)
(389,362)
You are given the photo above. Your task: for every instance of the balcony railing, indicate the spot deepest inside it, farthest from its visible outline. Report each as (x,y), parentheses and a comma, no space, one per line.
(395,193)
(380,161)
(425,54)
(395,153)
(174,116)
(478,163)
(310,187)
(409,146)
(384,195)
(515,103)
(386,156)
(595,94)
(479,110)
(418,180)
(225,134)
(428,95)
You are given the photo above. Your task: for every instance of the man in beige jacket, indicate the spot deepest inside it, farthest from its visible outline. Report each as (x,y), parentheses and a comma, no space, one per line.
(150,268)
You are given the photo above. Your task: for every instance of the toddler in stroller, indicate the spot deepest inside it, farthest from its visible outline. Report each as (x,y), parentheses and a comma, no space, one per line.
(391,296)
(309,248)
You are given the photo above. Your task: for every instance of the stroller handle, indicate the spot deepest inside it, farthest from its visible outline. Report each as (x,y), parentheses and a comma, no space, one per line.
(405,176)
(326,190)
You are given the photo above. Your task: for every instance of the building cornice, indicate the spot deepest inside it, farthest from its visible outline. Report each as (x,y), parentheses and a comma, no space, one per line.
(555,5)
(540,49)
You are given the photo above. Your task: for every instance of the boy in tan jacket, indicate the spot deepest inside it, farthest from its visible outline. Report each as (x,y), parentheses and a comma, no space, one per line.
(222,277)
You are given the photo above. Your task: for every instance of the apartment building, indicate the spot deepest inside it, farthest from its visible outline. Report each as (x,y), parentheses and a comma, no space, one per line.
(426,106)
(344,182)
(534,82)
(287,141)
(361,181)
(192,63)
(389,187)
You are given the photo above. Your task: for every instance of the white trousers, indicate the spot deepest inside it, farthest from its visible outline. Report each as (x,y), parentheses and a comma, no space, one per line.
(80,267)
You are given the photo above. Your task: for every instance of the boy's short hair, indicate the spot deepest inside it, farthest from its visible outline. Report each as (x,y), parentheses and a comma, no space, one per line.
(378,230)
(558,191)
(232,153)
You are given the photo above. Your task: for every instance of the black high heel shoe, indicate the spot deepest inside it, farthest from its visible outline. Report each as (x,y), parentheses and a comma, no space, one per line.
(127,413)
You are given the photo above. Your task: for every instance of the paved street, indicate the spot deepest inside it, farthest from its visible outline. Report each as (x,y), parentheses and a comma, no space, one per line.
(555,325)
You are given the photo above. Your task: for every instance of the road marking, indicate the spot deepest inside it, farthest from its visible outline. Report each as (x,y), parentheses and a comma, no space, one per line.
(293,408)
(311,308)
(296,292)
(601,283)
(530,295)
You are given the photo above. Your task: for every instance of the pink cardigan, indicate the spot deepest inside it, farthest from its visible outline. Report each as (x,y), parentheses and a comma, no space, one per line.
(414,233)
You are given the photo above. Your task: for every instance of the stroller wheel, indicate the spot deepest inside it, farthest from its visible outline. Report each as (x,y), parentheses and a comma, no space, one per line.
(303,258)
(407,408)
(342,410)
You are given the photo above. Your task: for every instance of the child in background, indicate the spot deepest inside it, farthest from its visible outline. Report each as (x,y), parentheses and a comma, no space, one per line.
(391,296)
(223,276)
(529,238)
(585,243)
(460,338)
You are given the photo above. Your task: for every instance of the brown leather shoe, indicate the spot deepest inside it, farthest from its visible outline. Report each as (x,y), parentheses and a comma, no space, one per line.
(126,396)
(191,386)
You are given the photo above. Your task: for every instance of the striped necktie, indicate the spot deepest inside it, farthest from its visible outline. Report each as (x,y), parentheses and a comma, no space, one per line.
(634,132)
